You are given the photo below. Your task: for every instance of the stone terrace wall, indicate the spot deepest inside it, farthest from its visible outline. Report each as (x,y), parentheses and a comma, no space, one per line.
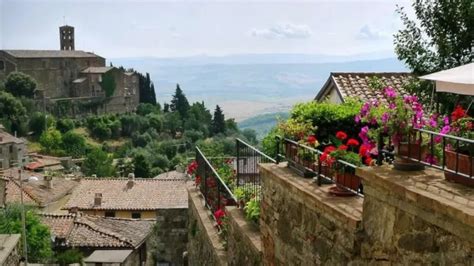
(416,218)
(302,224)
(204,245)
(170,237)
(244,240)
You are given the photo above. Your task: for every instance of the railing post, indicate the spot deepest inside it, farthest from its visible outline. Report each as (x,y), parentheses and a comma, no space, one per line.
(277,156)
(379,149)
(237,145)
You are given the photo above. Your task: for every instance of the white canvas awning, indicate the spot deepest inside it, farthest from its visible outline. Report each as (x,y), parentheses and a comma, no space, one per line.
(459,80)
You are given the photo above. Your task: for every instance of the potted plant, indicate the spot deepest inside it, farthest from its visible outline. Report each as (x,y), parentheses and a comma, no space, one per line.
(301,133)
(345,176)
(459,155)
(397,118)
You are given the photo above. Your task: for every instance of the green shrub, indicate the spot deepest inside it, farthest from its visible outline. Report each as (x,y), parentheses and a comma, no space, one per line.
(329,117)
(252,210)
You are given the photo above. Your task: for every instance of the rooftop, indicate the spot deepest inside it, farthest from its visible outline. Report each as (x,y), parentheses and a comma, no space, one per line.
(37,193)
(50,53)
(5,138)
(357,84)
(124,194)
(76,230)
(96,70)
(7,244)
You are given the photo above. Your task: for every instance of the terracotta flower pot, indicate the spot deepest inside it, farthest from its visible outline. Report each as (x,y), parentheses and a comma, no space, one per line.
(412,150)
(464,162)
(343,181)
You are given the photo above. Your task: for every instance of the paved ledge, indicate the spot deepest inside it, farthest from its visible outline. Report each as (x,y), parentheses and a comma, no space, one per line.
(446,204)
(251,232)
(348,210)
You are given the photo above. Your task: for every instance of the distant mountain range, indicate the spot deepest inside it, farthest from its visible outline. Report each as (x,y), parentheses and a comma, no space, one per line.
(253,84)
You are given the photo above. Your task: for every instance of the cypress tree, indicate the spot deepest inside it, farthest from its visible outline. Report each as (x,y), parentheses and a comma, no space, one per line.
(218,122)
(179,103)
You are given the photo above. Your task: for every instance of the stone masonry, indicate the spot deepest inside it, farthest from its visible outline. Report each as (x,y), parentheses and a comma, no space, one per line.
(302,224)
(416,218)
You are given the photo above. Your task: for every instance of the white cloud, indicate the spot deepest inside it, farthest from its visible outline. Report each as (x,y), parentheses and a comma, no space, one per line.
(368,32)
(284,31)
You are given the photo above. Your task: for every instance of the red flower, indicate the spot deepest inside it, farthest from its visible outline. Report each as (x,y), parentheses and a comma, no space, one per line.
(329,149)
(458,113)
(197,181)
(352,142)
(368,161)
(312,139)
(192,167)
(364,150)
(218,215)
(342,147)
(341,135)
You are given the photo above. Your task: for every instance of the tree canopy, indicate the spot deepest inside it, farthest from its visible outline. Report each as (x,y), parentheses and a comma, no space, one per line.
(218,122)
(99,163)
(179,103)
(146,89)
(38,236)
(440,38)
(20,84)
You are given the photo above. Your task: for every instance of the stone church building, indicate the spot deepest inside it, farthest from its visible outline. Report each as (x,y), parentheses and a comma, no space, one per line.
(73,82)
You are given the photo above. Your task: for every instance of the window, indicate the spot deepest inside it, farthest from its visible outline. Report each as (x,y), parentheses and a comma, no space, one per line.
(109,214)
(136,215)
(2,65)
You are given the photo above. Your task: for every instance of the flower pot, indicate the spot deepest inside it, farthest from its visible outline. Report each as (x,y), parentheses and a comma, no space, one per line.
(464,162)
(412,150)
(343,182)
(291,151)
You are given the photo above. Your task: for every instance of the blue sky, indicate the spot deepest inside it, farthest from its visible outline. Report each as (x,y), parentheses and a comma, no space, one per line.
(186,28)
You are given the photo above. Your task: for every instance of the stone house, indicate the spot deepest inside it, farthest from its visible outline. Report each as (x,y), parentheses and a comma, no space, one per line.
(165,200)
(72,79)
(343,85)
(10,249)
(12,149)
(102,240)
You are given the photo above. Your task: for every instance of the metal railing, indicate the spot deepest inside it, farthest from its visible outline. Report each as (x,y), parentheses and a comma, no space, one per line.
(437,150)
(306,161)
(215,191)
(248,181)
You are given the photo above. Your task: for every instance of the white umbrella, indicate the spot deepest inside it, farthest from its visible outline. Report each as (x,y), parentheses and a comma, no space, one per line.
(459,80)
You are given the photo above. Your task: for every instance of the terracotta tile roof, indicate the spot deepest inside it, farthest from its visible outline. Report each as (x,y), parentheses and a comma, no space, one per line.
(357,84)
(171,175)
(6,137)
(36,193)
(49,53)
(118,194)
(94,231)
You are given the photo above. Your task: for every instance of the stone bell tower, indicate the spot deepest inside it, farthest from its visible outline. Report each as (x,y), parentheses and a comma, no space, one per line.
(66,37)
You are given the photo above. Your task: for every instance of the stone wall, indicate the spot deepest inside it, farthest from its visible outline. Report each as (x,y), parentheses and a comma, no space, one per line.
(169,238)
(205,246)
(405,218)
(244,240)
(302,224)
(416,218)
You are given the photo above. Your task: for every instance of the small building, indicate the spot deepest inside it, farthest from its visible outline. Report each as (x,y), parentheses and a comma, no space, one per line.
(102,240)
(49,194)
(12,149)
(343,85)
(164,199)
(138,198)
(10,249)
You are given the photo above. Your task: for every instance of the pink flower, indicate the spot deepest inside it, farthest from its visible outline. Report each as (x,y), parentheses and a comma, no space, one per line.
(431,159)
(390,92)
(385,118)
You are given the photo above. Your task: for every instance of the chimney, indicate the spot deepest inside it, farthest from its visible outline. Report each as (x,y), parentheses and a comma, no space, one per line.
(97,199)
(48,181)
(131,180)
